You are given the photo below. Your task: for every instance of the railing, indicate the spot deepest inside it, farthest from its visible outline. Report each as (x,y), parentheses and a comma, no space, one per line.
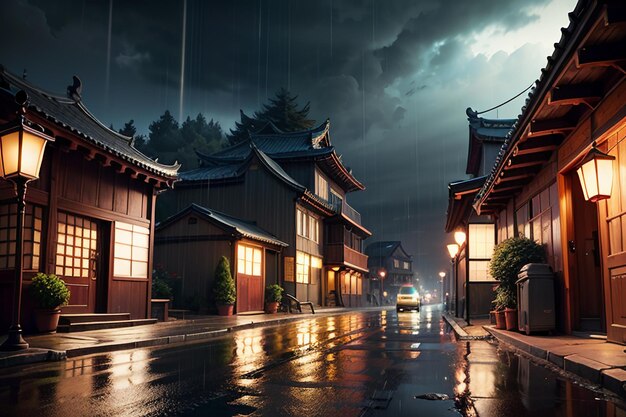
(340,206)
(338,253)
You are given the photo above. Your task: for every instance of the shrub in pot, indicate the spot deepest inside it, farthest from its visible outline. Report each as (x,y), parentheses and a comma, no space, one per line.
(224,288)
(50,293)
(509,256)
(273,296)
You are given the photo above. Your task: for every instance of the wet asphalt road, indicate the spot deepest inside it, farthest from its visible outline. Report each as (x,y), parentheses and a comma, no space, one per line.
(365,363)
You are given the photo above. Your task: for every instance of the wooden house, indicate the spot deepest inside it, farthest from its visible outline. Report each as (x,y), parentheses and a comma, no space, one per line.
(390,267)
(471,285)
(292,185)
(90,215)
(534,189)
(193,240)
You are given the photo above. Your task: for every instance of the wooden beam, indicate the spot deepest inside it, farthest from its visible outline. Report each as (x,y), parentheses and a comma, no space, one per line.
(528,160)
(535,144)
(550,126)
(604,55)
(575,94)
(508,186)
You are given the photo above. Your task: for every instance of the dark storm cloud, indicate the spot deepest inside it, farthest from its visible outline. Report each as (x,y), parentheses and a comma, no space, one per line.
(393,76)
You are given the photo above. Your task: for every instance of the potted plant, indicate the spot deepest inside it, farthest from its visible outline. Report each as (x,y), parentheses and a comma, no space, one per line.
(49,293)
(224,290)
(501,302)
(509,256)
(273,296)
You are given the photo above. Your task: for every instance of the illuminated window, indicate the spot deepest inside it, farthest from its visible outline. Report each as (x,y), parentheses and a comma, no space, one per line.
(406,265)
(481,242)
(321,186)
(307,226)
(131,249)
(77,245)
(396,263)
(249,260)
(303,265)
(314,229)
(32,236)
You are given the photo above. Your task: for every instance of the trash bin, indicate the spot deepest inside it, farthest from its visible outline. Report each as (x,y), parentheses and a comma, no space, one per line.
(535,298)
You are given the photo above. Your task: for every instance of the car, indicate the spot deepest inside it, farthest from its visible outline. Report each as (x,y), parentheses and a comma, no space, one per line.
(408,298)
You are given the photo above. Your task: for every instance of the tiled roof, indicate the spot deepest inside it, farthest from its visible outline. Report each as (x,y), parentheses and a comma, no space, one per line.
(233,224)
(217,169)
(488,129)
(72,115)
(382,249)
(279,146)
(277,143)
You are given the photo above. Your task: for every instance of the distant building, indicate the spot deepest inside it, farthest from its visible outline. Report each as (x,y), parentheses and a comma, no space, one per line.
(293,186)
(390,267)
(90,215)
(470,281)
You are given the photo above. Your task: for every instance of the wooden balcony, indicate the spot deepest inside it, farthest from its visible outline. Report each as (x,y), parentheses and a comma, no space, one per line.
(340,254)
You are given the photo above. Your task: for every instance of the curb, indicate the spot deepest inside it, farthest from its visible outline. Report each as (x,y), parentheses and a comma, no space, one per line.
(32,355)
(460,333)
(610,378)
(35,355)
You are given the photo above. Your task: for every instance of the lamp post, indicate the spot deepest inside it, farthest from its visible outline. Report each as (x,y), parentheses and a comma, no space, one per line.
(381,274)
(453,250)
(22,145)
(442,275)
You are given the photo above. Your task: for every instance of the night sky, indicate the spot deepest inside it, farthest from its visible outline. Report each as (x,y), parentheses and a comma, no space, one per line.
(393,76)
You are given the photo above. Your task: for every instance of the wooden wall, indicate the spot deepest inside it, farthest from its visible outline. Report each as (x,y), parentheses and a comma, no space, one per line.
(69,182)
(192,252)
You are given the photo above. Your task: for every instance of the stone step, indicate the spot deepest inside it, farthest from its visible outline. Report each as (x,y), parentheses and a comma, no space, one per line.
(92,317)
(100,325)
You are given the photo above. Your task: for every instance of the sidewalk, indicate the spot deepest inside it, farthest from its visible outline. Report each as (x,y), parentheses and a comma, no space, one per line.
(600,362)
(59,346)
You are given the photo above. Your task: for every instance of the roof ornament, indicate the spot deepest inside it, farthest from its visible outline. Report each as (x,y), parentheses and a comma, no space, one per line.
(74,90)
(472,114)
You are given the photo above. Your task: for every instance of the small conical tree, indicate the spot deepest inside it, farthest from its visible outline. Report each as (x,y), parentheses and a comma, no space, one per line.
(224,289)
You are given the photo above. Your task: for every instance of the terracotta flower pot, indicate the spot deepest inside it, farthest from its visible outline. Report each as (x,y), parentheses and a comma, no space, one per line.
(225,309)
(500,320)
(511,318)
(492,317)
(47,320)
(271,308)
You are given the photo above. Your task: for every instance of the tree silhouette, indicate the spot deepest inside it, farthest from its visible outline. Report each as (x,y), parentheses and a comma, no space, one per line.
(282,111)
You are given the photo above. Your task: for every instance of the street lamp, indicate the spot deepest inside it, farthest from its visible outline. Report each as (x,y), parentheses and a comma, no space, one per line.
(459,237)
(453,249)
(442,275)
(22,145)
(382,274)
(596,175)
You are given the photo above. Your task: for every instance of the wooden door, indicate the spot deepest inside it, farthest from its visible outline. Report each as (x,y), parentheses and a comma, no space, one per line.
(77,256)
(249,278)
(585,251)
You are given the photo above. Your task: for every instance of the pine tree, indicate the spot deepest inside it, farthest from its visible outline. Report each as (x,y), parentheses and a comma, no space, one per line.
(165,135)
(129,129)
(282,111)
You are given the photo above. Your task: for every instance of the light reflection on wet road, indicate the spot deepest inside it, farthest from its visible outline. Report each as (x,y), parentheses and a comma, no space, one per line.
(366,363)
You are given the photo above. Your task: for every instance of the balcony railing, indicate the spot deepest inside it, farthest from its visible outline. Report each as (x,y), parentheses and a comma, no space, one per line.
(338,253)
(341,206)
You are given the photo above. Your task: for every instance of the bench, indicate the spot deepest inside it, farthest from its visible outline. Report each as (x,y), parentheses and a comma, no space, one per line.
(290,300)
